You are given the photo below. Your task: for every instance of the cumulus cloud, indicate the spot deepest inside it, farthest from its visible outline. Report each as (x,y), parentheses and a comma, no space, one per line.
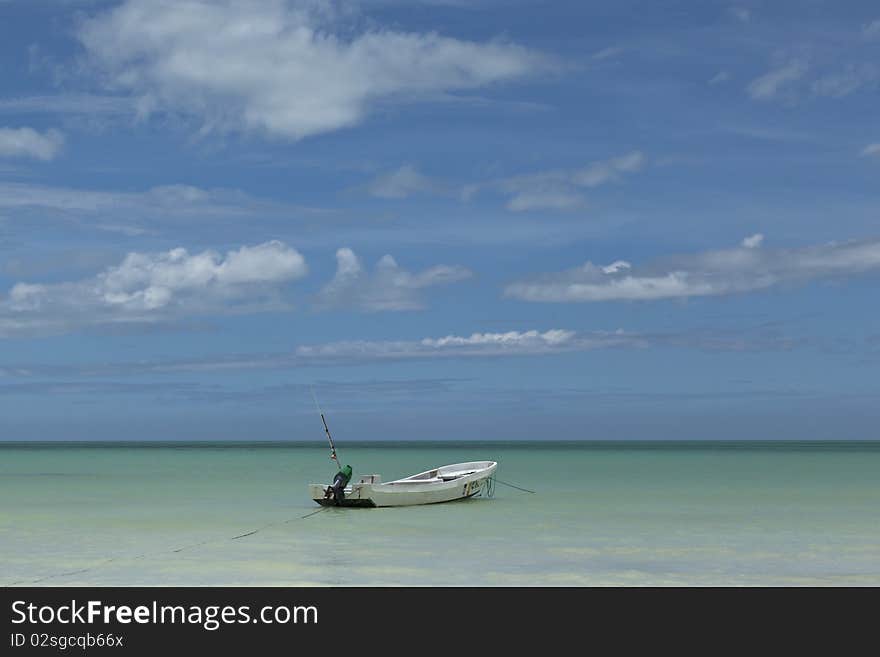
(777,80)
(534,343)
(871,149)
(387,287)
(753,241)
(559,189)
(287,69)
(156,287)
(742,269)
(509,343)
(27,142)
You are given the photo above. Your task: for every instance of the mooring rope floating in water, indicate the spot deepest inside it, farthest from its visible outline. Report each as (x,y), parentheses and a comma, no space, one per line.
(309,515)
(525,490)
(243,535)
(190,547)
(65,574)
(156,553)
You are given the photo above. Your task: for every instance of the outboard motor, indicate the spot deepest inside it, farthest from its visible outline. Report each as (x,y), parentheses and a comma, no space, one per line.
(337,488)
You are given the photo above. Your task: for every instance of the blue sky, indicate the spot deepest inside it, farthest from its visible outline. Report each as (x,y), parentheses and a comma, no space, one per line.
(464,220)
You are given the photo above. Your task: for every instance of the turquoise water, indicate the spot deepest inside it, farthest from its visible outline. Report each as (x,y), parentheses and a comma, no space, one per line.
(603,514)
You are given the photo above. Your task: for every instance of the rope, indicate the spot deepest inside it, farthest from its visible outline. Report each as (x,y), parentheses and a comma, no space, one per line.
(243,535)
(177,550)
(525,490)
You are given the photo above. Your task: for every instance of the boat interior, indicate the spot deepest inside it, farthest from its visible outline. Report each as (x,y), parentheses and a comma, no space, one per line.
(445,473)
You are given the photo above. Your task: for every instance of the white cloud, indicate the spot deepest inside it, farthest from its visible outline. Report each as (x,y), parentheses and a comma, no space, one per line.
(872,30)
(546,200)
(69,104)
(401,183)
(22,195)
(600,173)
(156,287)
(872,149)
(559,189)
(552,338)
(753,241)
(476,345)
(607,53)
(770,134)
(829,79)
(616,266)
(388,287)
(742,269)
(777,80)
(842,83)
(742,14)
(27,142)
(718,78)
(510,343)
(136,212)
(285,69)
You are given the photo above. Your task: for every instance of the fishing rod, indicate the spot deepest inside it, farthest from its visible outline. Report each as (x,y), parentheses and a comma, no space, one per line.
(340,481)
(327,431)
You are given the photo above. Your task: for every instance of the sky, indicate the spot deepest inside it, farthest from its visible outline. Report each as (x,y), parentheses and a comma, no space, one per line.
(474,220)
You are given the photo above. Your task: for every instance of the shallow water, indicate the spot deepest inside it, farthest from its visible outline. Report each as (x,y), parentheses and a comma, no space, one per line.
(603,514)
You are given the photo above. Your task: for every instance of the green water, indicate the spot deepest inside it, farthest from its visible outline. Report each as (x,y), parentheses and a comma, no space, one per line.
(603,514)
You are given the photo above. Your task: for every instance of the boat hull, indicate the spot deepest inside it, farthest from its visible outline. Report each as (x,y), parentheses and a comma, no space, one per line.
(412,491)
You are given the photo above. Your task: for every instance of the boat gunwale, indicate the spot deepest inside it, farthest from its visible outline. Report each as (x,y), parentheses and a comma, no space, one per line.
(486,465)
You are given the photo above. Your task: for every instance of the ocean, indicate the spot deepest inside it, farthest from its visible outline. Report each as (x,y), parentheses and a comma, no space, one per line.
(603,514)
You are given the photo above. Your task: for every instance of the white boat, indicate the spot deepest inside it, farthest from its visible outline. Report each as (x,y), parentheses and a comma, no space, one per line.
(458,481)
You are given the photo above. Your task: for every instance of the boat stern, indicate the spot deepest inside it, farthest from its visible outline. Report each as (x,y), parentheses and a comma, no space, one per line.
(356,495)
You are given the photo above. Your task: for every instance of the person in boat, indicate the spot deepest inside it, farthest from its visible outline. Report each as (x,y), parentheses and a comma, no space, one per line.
(337,488)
